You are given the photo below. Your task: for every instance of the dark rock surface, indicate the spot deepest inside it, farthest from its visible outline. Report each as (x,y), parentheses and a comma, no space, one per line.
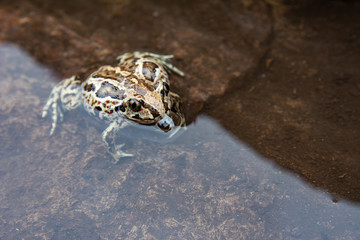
(301,107)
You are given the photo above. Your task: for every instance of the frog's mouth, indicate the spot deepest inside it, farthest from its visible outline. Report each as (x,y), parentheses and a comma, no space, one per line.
(166,123)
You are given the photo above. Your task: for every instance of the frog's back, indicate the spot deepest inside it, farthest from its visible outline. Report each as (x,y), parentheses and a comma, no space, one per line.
(147,68)
(104,91)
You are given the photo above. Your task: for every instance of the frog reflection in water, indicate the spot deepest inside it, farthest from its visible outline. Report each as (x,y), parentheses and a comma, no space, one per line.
(135,91)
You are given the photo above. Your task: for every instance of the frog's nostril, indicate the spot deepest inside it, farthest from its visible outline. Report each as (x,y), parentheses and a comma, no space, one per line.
(166,124)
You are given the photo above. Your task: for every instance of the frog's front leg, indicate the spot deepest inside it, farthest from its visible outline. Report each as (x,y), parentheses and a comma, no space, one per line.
(67,93)
(108,137)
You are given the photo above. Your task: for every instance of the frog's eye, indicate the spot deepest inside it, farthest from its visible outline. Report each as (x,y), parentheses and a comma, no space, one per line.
(135,105)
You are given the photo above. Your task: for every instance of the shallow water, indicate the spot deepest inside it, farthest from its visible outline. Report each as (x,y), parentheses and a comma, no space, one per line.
(205,184)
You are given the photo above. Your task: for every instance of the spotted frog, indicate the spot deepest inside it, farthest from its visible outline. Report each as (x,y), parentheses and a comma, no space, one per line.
(135,91)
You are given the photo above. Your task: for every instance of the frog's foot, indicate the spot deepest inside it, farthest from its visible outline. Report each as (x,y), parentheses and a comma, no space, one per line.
(52,106)
(117,153)
(65,95)
(108,137)
(163,59)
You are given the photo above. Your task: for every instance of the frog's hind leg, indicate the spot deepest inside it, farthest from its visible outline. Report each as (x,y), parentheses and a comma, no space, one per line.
(71,93)
(108,137)
(68,93)
(162,59)
(165,60)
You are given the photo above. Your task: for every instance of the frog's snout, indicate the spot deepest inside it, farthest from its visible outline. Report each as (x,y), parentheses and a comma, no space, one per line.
(166,123)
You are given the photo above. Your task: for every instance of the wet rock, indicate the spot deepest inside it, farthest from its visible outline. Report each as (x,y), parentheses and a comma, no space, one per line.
(301,108)
(210,41)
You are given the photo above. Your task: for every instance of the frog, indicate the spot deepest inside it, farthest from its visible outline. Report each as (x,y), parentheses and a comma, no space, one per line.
(135,91)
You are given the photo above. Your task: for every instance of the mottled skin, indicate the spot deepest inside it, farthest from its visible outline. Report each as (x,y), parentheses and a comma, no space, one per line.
(135,91)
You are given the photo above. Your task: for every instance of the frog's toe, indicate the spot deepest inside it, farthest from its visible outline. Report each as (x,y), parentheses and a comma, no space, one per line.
(54,122)
(46,108)
(55,113)
(118,153)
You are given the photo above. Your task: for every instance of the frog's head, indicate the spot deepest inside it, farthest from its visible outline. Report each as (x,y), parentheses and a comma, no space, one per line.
(149,105)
